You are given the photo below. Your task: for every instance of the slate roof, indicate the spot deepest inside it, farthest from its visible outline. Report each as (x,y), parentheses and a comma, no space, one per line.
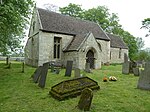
(116,41)
(58,23)
(76,42)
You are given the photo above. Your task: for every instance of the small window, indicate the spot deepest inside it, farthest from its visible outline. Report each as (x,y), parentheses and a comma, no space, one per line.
(110,55)
(120,53)
(57,47)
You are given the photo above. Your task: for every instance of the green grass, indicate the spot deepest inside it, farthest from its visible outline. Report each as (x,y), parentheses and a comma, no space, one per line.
(18,93)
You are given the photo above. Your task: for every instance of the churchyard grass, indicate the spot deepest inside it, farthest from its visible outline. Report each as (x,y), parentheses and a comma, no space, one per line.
(18,93)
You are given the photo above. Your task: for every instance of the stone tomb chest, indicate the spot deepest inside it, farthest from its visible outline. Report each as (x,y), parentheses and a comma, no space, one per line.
(73,87)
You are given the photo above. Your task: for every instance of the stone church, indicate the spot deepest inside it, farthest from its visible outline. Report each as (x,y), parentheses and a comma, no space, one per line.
(56,37)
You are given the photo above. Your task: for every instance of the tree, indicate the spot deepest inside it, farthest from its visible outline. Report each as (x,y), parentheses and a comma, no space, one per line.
(146,25)
(143,55)
(14,16)
(72,10)
(98,15)
(140,43)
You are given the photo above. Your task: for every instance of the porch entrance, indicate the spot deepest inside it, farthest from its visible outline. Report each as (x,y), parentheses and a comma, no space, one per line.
(90,58)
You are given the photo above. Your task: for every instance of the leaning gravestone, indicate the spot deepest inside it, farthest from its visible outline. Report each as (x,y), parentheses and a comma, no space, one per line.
(85,99)
(37,74)
(87,67)
(144,79)
(43,75)
(69,68)
(77,73)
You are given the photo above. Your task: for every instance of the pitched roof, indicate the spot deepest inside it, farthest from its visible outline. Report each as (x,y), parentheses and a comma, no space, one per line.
(58,23)
(116,41)
(76,42)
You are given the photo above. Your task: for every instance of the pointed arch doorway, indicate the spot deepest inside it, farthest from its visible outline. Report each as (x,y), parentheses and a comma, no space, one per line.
(90,58)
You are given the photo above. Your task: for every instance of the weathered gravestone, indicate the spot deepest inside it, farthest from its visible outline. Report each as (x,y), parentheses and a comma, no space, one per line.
(43,75)
(7,60)
(52,67)
(126,67)
(72,88)
(22,67)
(69,68)
(144,79)
(77,72)
(37,74)
(9,66)
(85,99)
(56,71)
(136,71)
(126,59)
(87,67)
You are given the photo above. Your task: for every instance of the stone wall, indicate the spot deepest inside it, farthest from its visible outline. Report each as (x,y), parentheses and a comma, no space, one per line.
(114,55)
(35,24)
(74,56)
(46,45)
(32,45)
(32,51)
(105,50)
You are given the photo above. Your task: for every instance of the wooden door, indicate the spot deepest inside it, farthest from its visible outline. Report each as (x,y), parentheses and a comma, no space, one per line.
(90,58)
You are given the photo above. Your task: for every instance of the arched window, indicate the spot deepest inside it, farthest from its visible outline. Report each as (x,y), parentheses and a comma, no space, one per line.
(57,47)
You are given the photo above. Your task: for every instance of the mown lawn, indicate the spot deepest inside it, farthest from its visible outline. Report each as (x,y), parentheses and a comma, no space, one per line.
(18,93)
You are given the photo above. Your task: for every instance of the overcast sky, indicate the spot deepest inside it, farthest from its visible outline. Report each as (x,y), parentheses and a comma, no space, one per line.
(130,12)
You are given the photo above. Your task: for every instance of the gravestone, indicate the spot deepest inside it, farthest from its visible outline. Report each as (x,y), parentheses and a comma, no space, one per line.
(9,65)
(43,75)
(69,68)
(136,71)
(52,67)
(56,71)
(85,99)
(126,67)
(87,67)
(126,57)
(37,74)
(22,67)
(144,79)
(143,64)
(77,72)
(7,60)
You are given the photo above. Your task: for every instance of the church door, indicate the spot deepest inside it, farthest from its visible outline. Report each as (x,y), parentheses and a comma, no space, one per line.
(90,58)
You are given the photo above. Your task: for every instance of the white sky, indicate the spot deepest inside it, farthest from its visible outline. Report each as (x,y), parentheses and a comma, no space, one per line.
(130,12)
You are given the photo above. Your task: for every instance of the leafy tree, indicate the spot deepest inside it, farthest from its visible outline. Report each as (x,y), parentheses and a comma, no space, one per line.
(146,25)
(131,42)
(14,16)
(143,55)
(99,15)
(140,43)
(72,10)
